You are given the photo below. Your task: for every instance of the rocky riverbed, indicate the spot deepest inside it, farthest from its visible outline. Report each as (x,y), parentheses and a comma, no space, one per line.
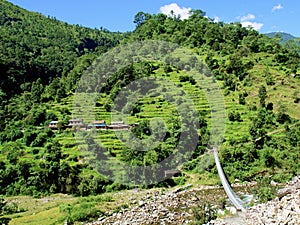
(163,207)
(182,205)
(176,206)
(284,209)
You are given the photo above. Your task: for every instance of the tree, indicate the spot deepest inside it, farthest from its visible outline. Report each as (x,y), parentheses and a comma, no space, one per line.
(268,158)
(142,130)
(3,99)
(211,62)
(282,117)
(262,94)
(36,90)
(197,13)
(236,67)
(293,136)
(234,116)
(140,18)
(36,116)
(257,129)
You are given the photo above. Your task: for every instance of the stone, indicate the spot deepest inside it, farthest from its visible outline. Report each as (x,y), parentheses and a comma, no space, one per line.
(283,192)
(175,207)
(282,210)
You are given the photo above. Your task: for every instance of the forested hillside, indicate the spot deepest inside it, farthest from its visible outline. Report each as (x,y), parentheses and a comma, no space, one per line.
(33,47)
(287,40)
(42,59)
(260,80)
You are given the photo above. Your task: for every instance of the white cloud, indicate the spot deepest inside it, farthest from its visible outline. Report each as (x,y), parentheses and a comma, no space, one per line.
(255,25)
(216,19)
(183,12)
(247,17)
(245,21)
(277,7)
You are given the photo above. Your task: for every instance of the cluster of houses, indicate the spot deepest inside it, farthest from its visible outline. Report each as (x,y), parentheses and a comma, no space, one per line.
(101,124)
(98,124)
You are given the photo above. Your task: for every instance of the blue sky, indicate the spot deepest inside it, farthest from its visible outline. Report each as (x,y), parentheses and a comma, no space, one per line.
(117,15)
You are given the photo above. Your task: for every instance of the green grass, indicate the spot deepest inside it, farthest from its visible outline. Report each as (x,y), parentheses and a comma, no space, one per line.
(39,211)
(53,209)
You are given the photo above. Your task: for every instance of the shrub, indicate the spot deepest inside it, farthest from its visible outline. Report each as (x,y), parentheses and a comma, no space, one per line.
(4,220)
(81,212)
(242,99)
(7,207)
(234,116)
(203,213)
(265,192)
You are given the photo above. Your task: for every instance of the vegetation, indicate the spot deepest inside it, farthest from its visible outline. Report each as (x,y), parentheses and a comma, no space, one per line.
(7,208)
(42,60)
(286,40)
(203,213)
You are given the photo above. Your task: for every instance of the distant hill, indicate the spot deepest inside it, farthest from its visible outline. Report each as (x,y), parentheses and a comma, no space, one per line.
(287,40)
(284,36)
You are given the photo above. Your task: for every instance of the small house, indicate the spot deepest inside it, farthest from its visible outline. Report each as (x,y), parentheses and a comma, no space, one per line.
(76,123)
(118,125)
(99,124)
(53,125)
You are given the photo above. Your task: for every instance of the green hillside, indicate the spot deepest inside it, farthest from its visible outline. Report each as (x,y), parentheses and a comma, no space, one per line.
(287,40)
(33,46)
(42,61)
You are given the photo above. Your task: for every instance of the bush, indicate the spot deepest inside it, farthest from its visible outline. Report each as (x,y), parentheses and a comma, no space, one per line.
(81,212)
(203,213)
(4,220)
(242,99)
(7,207)
(187,78)
(265,192)
(234,116)
(179,180)
(296,97)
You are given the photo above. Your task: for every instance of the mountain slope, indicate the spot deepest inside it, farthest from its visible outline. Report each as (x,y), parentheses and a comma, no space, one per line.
(284,36)
(33,46)
(43,58)
(287,40)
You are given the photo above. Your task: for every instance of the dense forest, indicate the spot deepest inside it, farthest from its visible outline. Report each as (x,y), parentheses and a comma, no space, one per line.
(42,59)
